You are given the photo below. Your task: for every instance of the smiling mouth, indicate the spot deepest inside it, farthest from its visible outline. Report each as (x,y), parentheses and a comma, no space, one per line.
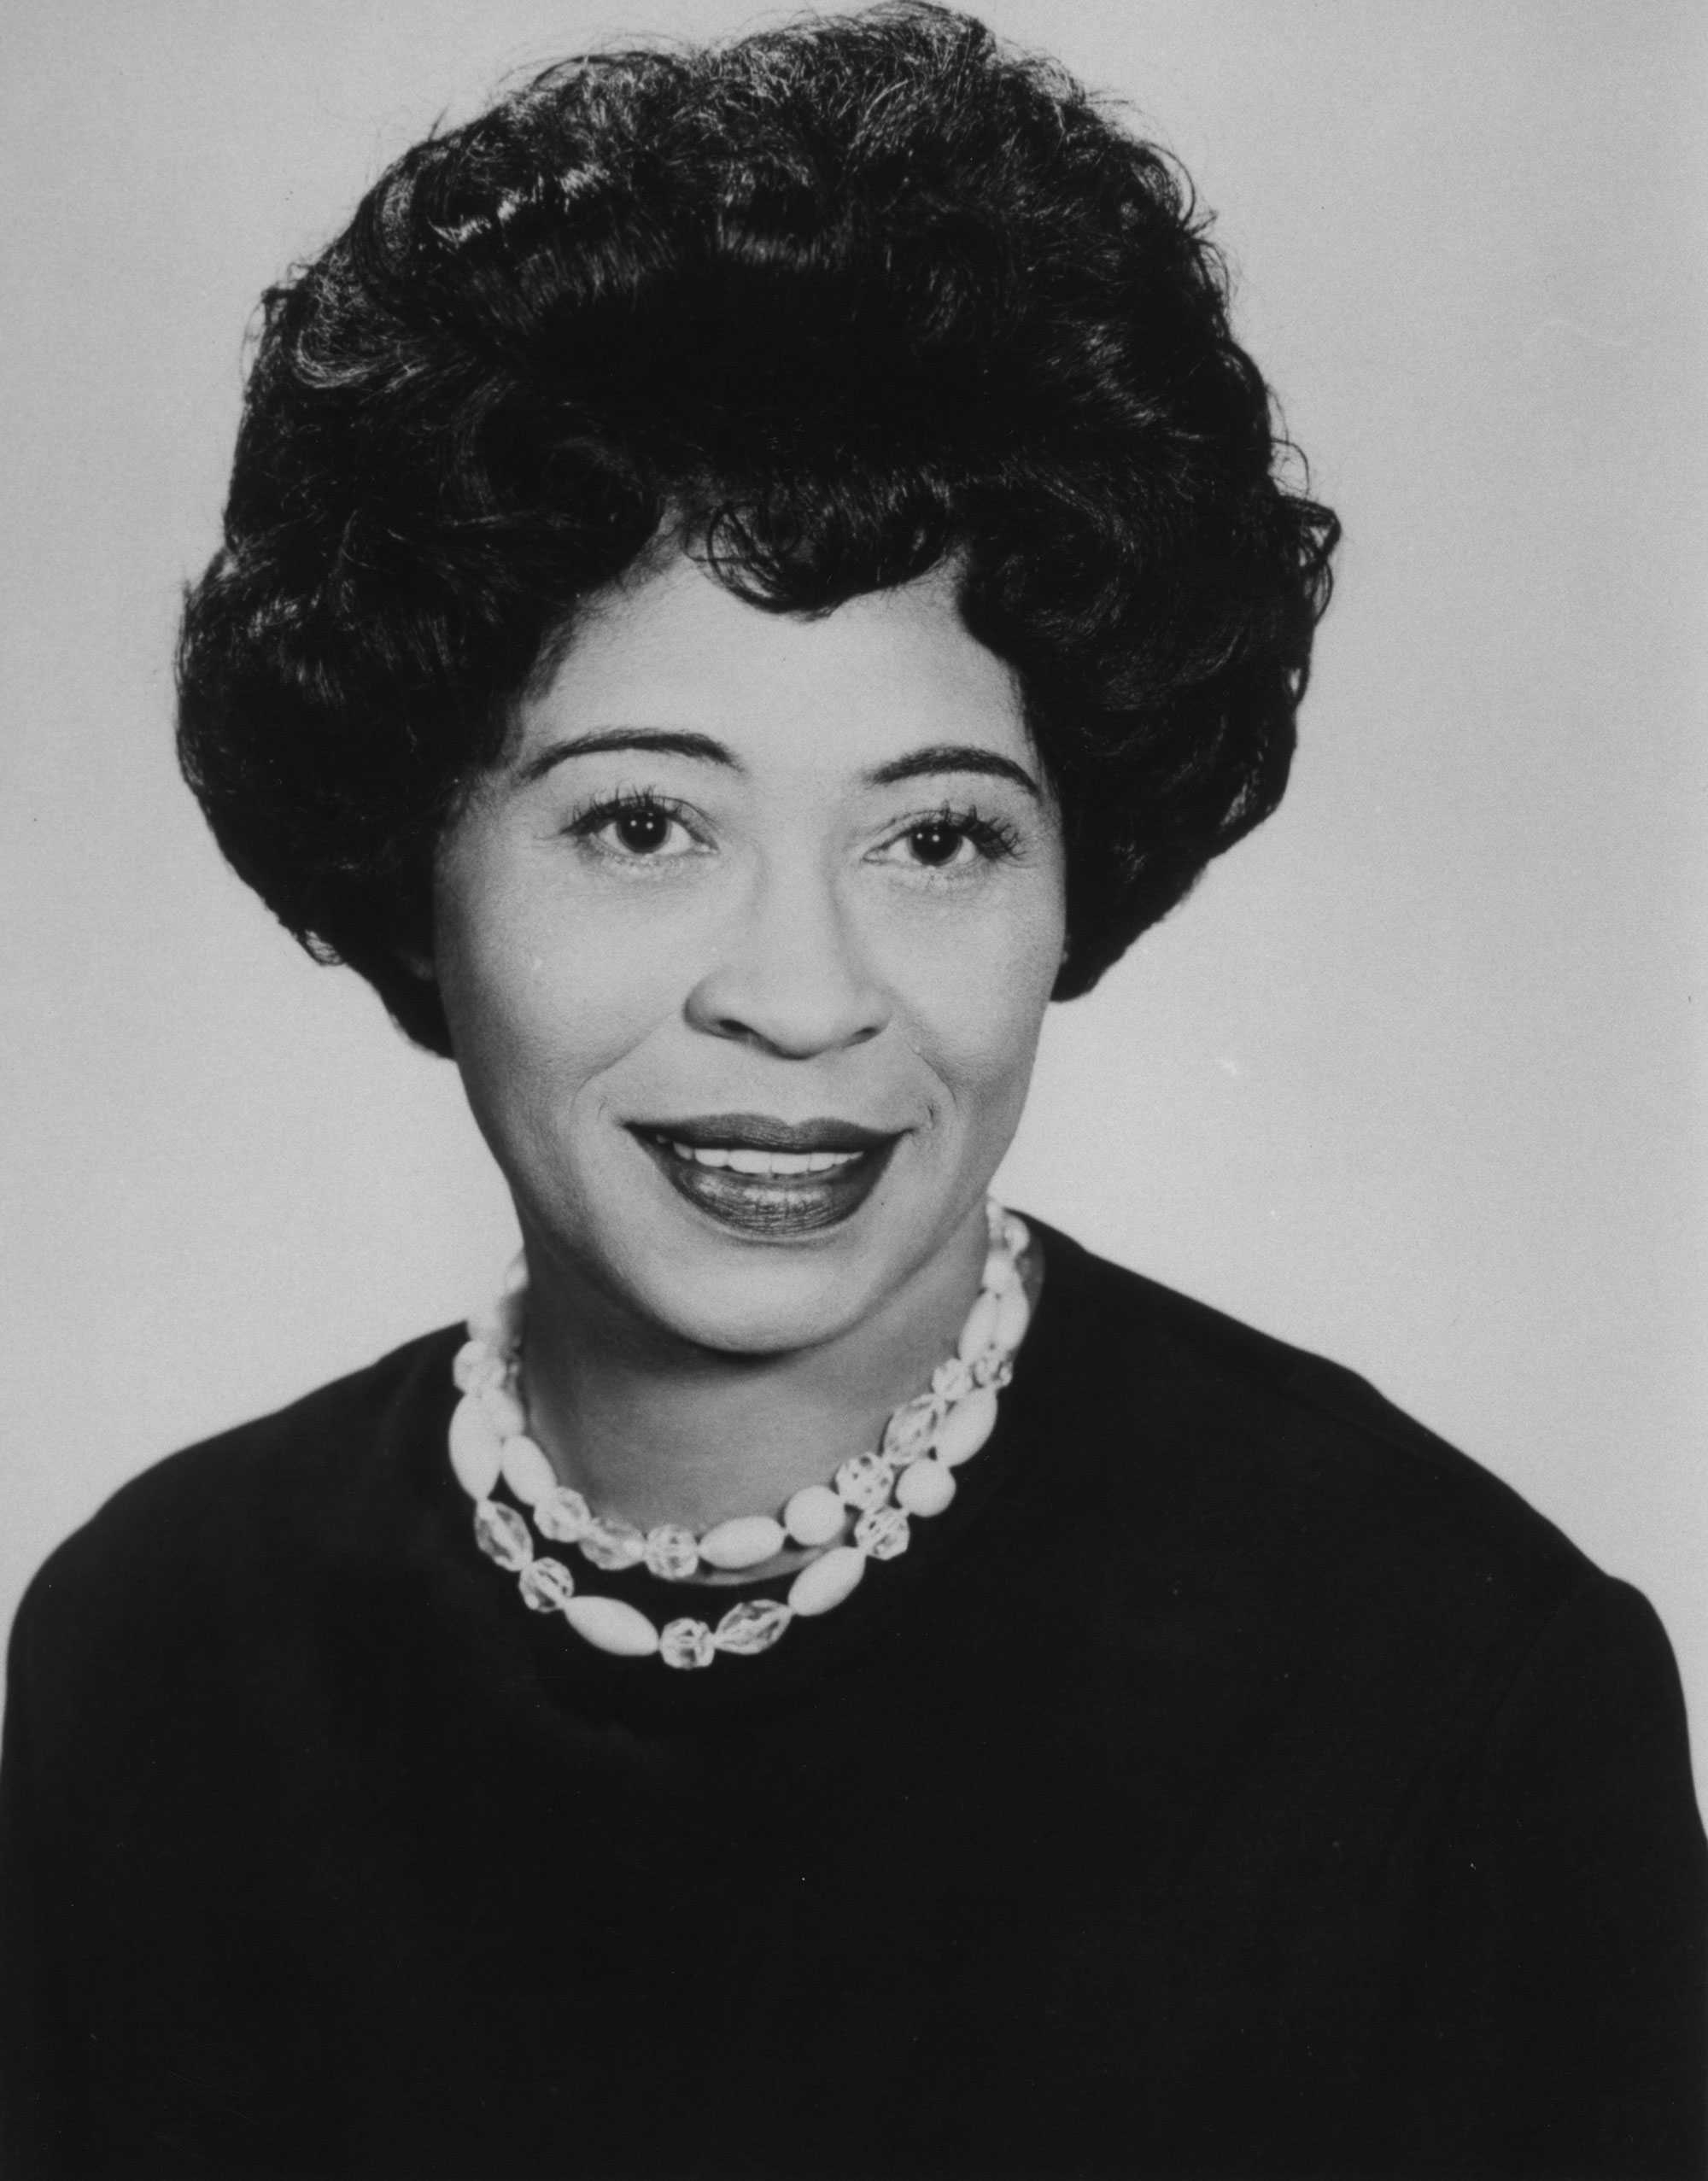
(765,1177)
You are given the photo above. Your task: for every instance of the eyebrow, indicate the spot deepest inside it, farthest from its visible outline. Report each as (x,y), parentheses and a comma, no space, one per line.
(955,758)
(663,742)
(917,764)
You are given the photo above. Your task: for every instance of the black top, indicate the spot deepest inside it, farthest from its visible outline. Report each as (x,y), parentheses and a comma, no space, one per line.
(1234,1781)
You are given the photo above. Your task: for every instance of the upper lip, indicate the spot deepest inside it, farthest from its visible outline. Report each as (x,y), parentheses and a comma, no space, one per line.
(761,1133)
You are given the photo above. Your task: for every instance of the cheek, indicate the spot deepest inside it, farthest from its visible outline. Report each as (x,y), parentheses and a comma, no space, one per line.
(537,1010)
(980,1007)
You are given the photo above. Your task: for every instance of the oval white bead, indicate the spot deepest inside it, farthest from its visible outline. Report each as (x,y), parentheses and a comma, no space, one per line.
(609,1625)
(527,1470)
(504,1412)
(742,1542)
(925,1488)
(1000,1272)
(980,1328)
(827,1581)
(1013,1312)
(966,1427)
(476,1451)
(814,1515)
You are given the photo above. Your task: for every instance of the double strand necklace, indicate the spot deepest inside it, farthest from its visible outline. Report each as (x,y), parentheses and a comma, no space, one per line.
(862,1514)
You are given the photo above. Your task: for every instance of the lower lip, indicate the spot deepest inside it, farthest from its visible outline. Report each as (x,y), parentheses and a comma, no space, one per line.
(775,1207)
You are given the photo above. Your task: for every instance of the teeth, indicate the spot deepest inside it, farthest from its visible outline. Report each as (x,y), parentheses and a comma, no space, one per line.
(743,1161)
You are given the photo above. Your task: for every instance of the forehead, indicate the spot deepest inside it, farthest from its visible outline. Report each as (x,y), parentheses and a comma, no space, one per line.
(678,649)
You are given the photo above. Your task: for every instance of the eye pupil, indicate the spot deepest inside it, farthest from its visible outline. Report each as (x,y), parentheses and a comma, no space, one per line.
(936,843)
(641,830)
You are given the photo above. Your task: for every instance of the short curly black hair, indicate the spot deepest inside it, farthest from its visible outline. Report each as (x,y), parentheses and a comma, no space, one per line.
(831,305)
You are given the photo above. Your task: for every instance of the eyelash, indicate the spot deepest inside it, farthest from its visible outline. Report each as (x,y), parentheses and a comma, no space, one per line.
(994,837)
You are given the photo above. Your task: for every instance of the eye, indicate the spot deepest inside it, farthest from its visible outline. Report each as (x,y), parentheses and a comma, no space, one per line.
(948,842)
(634,828)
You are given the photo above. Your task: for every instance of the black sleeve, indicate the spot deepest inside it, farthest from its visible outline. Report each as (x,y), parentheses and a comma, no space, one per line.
(37,2046)
(1595,1887)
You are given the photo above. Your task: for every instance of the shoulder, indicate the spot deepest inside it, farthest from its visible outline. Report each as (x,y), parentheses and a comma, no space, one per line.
(1354,1600)
(1178,1375)
(1326,1519)
(213,1536)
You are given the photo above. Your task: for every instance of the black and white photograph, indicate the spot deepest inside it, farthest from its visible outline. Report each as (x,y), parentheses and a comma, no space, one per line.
(855,879)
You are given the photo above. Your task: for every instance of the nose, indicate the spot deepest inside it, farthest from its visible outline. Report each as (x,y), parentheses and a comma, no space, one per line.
(790,974)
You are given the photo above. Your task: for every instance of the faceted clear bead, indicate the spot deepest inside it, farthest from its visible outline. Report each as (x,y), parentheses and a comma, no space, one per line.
(547,1585)
(686,1643)
(502,1535)
(882,1532)
(612,1544)
(563,1515)
(925,1488)
(994,1369)
(909,1431)
(1016,1235)
(752,1626)
(671,1553)
(952,1381)
(864,1480)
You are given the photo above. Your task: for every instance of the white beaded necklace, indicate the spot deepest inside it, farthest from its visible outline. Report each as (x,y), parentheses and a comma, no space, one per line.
(861,1515)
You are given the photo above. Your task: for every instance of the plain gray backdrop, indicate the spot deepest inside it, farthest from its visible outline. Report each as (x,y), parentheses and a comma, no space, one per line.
(1413,1079)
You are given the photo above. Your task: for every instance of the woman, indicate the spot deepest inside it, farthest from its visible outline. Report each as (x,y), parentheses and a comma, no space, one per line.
(747,573)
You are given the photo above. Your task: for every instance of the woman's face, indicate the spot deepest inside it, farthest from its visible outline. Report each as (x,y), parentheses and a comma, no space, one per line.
(744,949)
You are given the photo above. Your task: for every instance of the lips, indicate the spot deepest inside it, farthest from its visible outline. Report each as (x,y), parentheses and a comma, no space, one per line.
(762,1176)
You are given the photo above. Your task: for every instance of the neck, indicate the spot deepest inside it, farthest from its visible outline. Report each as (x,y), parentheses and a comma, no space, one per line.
(656,1429)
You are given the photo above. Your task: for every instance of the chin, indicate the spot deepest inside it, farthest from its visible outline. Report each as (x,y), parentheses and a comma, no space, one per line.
(754,1303)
